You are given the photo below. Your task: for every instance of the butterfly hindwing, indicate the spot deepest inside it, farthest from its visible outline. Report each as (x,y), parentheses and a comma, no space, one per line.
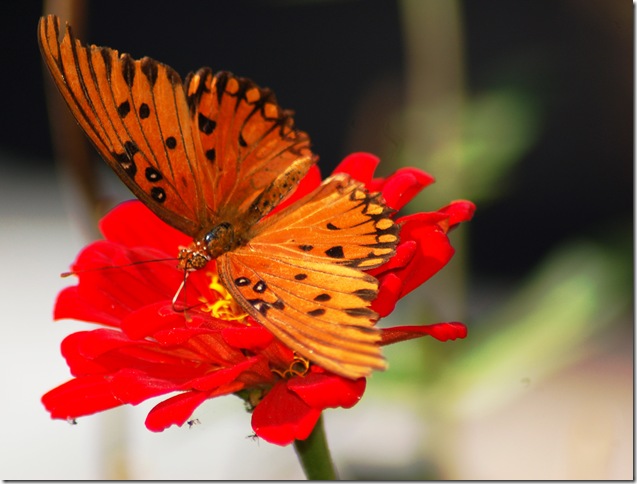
(301,276)
(247,140)
(332,328)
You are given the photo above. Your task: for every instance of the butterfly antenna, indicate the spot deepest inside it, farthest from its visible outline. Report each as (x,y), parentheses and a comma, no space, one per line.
(105,268)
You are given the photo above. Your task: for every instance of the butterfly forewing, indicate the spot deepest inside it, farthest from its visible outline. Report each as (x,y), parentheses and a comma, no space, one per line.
(299,275)
(136,114)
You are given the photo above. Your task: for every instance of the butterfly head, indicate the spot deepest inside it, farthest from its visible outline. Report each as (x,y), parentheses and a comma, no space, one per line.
(213,243)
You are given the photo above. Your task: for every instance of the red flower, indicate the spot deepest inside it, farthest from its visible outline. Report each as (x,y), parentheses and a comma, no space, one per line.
(146,348)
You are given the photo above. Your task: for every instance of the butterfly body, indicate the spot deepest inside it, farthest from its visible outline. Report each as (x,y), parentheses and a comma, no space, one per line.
(214,157)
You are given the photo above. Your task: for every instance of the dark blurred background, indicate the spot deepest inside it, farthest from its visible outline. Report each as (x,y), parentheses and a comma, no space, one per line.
(524,107)
(575,58)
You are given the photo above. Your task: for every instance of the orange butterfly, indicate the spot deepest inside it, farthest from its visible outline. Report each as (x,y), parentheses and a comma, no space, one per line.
(212,156)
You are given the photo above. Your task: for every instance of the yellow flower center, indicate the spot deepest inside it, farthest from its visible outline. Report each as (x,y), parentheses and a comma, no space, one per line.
(225,307)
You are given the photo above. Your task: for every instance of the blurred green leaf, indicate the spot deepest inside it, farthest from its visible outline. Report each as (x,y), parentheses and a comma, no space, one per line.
(574,297)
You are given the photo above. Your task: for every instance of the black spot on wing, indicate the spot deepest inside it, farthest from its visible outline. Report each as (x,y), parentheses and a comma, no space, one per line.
(158,194)
(131,149)
(149,69)
(300,277)
(171,142)
(125,159)
(106,57)
(126,162)
(172,76)
(222,80)
(123,109)
(153,175)
(335,252)
(322,297)
(260,305)
(260,287)
(211,154)
(316,312)
(360,312)
(128,69)
(241,281)
(366,294)
(206,125)
(144,111)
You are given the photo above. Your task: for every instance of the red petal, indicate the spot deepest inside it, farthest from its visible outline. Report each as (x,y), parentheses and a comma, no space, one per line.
(432,253)
(218,378)
(248,337)
(440,331)
(179,336)
(81,396)
(134,386)
(282,416)
(150,319)
(178,409)
(174,411)
(404,254)
(82,351)
(79,364)
(326,390)
(459,211)
(360,166)
(70,305)
(106,351)
(390,287)
(133,224)
(113,287)
(403,185)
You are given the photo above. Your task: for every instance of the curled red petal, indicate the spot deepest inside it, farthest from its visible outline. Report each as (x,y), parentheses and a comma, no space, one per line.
(404,254)
(432,253)
(360,166)
(402,186)
(327,390)
(389,290)
(174,411)
(440,331)
(282,416)
(459,211)
(81,396)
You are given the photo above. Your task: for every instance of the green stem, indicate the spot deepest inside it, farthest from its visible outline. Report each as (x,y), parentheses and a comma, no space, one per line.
(314,455)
